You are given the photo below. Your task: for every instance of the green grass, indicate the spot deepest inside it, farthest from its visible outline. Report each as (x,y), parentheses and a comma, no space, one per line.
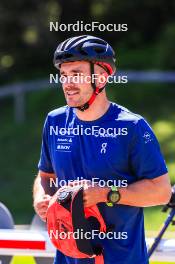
(20,143)
(20,149)
(154,219)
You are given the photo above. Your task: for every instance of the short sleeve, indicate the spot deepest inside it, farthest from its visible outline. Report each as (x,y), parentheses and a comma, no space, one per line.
(146,159)
(45,163)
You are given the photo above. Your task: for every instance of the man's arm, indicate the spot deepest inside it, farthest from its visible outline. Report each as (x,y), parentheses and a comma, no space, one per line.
(42,193)
(147,192)
(144,193)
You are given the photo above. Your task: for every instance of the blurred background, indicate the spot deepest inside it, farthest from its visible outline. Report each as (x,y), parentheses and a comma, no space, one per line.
(147,49)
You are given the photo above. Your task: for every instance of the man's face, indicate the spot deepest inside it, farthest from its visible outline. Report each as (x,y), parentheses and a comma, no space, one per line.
(76,93)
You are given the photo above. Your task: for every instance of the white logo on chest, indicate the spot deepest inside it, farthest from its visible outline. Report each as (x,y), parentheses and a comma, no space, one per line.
(61,147)
(103,148)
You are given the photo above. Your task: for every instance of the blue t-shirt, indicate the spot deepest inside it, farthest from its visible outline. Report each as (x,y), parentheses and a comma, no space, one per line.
(119,146)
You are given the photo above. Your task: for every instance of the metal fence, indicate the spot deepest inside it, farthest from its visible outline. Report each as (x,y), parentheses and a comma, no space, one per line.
(18,90)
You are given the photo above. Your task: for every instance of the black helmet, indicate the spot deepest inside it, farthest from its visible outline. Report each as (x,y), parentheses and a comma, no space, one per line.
(86,48)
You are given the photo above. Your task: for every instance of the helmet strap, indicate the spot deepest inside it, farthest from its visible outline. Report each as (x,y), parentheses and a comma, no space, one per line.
(95,93)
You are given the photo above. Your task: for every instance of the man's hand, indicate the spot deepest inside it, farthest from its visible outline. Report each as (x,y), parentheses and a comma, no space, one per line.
(94,195)
(41,205)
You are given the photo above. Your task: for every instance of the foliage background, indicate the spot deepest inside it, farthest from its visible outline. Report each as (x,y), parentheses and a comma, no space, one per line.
(26,51)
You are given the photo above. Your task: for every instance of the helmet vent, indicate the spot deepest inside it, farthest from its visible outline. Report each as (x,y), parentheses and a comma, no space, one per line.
(83,52)
(67,55)
(99,50)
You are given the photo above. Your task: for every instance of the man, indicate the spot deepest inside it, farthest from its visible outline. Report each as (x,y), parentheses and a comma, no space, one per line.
(118,145)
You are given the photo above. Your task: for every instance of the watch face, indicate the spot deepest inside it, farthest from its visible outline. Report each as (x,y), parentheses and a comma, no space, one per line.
(114,197)
(63,196)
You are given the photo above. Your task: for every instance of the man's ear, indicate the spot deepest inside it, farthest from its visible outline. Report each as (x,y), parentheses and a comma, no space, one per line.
(102,79)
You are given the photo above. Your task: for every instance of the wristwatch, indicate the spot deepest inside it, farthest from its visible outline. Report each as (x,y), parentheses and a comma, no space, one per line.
(64,196)
(113,196)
